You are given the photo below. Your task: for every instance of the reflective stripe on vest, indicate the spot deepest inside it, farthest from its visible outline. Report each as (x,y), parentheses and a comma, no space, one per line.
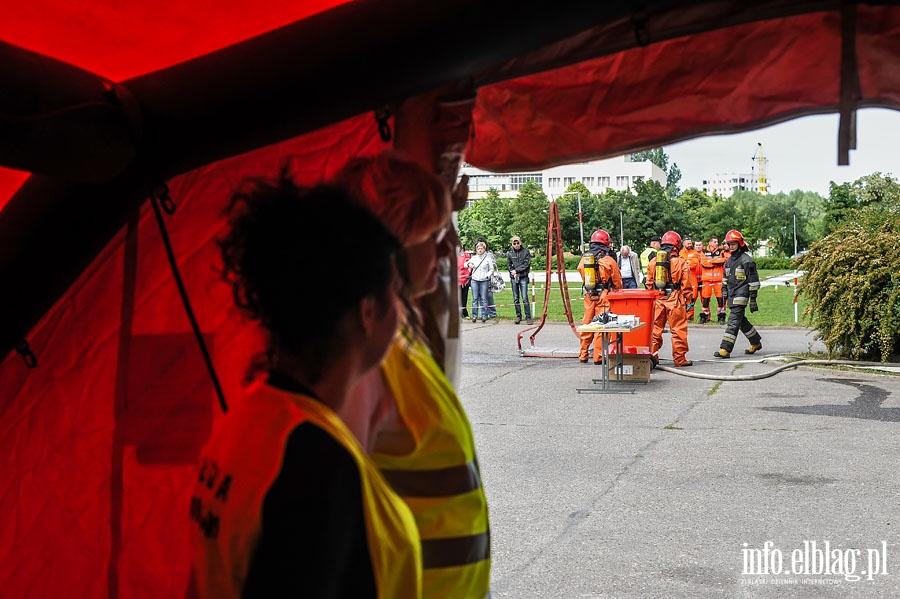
(454,480)
(456,551)
(439,479)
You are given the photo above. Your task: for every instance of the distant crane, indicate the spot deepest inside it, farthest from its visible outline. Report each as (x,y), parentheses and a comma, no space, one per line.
(759,161)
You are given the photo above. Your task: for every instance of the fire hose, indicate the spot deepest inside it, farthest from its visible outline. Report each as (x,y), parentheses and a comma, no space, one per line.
(774,371)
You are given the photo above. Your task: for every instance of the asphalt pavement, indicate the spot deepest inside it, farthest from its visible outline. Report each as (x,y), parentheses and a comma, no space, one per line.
(688,487)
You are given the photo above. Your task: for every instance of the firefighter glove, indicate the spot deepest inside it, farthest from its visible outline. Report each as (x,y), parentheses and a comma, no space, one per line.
(753,306)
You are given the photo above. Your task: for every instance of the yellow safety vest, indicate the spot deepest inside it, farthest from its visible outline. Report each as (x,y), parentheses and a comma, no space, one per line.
(440,478)
(244,458)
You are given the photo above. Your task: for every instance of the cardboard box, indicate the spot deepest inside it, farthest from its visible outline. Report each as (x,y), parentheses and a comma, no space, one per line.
(635,367)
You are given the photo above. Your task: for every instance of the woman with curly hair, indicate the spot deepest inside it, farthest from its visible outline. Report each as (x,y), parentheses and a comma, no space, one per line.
(288,503)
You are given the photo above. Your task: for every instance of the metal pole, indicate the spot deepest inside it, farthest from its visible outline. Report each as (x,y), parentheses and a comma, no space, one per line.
(795,231)
(580,223)
(796,305)
(621,229)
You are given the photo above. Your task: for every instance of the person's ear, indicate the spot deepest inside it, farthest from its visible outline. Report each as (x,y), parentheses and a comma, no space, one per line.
(368,313)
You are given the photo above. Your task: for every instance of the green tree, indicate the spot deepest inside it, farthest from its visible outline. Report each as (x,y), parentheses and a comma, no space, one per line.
(740,211)
(694,201)
(605,212)
(659,157)
(778,213)
(488,216)
(876,189)
(654,214)
(528,218)
(644,212)
(568,215)
(839,204)
(673,176)
(717,220)
(845,198)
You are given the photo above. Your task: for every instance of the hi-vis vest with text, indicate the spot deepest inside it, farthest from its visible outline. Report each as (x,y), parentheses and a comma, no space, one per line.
(440,479)
(247,452)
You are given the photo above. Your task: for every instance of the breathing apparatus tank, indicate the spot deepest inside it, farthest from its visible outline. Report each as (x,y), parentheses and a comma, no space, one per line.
(661,276)
(590,270)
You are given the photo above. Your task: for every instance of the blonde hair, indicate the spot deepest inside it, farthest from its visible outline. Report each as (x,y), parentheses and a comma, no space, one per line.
(481,244)
(407,197)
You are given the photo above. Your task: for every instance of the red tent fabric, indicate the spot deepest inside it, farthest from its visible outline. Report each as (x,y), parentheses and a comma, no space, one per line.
(98,443)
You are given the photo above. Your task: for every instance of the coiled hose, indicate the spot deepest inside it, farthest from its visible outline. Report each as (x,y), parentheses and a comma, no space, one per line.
(773,372)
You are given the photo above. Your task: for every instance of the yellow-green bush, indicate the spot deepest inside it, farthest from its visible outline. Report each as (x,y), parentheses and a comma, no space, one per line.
(852,284)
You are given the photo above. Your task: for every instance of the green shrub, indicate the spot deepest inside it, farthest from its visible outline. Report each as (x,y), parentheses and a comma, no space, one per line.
(772,263)
(852,282)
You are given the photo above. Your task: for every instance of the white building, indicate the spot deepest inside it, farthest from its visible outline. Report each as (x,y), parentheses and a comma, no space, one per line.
(598,176)
(725,184)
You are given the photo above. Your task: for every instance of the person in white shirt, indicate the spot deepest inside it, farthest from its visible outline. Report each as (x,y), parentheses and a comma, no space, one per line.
(483,266)
(630,267)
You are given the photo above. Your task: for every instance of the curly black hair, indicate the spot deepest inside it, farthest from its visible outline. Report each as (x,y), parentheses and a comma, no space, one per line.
(274,260)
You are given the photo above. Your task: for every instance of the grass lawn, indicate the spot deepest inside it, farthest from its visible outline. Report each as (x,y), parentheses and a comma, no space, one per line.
(776,304)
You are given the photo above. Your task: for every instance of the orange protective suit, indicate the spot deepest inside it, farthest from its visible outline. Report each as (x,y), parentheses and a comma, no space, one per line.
(712,267)
(692,257)
(670,307)
(595,302)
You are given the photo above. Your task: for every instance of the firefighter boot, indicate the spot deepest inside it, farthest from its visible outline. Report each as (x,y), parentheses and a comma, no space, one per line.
(721,318)
(704,318)
(754,347)
(722,353)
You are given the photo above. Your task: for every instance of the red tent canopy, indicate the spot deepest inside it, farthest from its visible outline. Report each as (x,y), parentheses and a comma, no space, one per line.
(103,102)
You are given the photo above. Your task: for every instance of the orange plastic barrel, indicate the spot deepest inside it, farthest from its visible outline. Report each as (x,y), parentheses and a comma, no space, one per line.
(639,302)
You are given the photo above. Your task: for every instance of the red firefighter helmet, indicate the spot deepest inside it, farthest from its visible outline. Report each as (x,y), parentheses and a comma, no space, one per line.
(671,238)
(735,235)
(601,236)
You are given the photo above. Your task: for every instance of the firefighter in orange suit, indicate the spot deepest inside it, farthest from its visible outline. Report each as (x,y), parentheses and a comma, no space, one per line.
(691,254)
(712,267)
(606,277)
(669,274)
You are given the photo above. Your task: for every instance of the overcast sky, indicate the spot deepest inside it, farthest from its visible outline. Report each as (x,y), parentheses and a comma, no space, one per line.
(802,153)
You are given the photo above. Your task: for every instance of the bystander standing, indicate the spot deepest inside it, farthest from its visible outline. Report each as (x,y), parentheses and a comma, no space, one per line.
(465,278)
(630,268)
(489,298)
(519,264)
(650,252)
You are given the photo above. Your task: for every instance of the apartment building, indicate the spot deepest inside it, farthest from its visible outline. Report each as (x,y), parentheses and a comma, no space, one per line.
(725,184)
(597,175)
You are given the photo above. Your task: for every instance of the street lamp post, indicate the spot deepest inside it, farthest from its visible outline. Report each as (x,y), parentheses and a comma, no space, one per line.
(621,228)
(580,223)
(794,211)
